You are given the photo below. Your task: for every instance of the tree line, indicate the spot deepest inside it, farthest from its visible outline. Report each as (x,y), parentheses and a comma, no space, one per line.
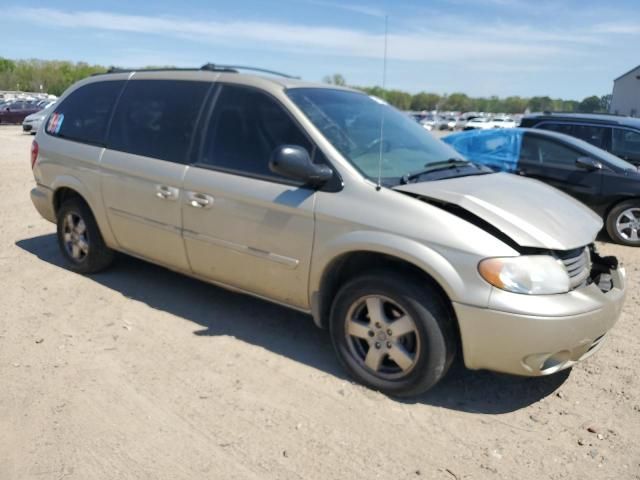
(47,76)
(55,77)
(460,102)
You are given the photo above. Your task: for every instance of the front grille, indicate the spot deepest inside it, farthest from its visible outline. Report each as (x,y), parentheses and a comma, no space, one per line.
(578,265)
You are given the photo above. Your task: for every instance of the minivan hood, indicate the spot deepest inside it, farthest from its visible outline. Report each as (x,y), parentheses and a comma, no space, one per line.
(527,211)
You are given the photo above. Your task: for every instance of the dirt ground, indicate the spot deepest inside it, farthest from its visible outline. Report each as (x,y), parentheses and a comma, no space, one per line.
(140,373)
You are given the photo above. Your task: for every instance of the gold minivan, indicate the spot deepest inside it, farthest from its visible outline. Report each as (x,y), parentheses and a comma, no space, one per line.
(329,201)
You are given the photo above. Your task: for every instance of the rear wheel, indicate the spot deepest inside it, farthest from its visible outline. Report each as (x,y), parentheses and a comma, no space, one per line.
(623,223)
(392,333)
(80,240)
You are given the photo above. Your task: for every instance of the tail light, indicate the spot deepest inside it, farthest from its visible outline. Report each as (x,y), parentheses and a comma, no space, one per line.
(34,153)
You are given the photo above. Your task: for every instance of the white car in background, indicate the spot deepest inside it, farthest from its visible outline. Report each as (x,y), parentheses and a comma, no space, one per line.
(503,122)
(32,122)
(478,123)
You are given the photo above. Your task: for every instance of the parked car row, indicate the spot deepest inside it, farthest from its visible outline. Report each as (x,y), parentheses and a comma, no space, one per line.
(406,251)
(432,121)
(16,110)
(487,123)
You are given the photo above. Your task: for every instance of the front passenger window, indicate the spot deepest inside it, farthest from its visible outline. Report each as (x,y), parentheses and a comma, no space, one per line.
(547,152)
(245,128)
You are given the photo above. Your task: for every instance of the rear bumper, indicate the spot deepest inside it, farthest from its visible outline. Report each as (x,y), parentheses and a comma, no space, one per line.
(42,198)
(556,332)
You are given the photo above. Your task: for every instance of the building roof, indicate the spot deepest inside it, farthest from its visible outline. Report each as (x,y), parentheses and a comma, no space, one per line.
(625,74)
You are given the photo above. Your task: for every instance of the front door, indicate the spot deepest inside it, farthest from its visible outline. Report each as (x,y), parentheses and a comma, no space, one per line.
(245,226)
(553,162)
(145,163)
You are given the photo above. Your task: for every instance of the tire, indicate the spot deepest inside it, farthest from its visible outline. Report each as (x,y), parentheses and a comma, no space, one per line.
(80,240)
(430,346)
(625,213)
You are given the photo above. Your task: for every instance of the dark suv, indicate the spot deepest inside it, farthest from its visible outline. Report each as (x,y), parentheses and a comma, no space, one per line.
(613,133)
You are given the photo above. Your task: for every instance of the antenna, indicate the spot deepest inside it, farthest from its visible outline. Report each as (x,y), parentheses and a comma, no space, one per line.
(384,85)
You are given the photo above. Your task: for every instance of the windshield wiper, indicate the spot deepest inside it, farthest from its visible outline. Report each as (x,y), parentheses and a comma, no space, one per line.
(434,167)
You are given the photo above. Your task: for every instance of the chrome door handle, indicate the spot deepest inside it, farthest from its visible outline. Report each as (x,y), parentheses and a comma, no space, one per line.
(166,192)
(199,200)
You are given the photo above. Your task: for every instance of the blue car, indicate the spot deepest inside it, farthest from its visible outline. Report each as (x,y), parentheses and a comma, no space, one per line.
(604,182)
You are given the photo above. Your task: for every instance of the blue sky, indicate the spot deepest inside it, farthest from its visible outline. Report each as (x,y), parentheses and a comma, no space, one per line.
(561,48)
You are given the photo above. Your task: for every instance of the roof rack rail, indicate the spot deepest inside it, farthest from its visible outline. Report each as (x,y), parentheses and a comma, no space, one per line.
(234,69)
(210,67)
(560,112)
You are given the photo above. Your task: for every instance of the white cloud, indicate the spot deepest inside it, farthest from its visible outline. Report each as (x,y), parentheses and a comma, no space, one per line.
(618,28)
(351,7)
(410,46)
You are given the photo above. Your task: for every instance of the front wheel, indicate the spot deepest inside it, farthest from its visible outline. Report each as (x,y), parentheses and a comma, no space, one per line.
(623,223)
(392,333)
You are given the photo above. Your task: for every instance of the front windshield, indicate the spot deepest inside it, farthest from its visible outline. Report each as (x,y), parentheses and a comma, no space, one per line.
(351,121)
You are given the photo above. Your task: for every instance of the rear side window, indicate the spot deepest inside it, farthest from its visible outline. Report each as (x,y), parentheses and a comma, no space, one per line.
(157,118)
(598,136)
(83,116)
(245,128)
(565,128)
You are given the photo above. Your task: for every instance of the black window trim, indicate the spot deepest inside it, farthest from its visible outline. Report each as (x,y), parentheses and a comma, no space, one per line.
(336,184)
(102,144)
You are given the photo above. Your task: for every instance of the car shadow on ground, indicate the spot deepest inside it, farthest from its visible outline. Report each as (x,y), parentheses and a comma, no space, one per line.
(287,332)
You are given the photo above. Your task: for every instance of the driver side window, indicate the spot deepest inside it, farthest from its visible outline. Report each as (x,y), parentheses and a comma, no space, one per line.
(246,126)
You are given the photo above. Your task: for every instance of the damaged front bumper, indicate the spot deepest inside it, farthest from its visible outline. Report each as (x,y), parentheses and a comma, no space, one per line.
(536,335)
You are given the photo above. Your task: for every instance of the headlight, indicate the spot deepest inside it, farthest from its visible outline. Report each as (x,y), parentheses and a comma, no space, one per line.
(532,275)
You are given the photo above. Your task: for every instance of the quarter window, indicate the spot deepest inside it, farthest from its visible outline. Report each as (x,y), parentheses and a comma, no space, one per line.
(157,118)
(83,116)
(245,128)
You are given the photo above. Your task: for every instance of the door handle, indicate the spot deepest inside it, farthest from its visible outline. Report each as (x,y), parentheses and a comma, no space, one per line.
(166,192)
(199,200)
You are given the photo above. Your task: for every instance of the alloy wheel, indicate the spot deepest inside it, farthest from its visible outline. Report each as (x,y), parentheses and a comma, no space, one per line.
(628,224)
(74,236)
(382,337)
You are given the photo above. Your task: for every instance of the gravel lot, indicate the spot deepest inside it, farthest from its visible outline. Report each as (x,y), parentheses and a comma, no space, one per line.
(140,373)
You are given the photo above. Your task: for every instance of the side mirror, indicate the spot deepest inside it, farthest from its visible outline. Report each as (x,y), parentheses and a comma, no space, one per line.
(588,163)
(294,162)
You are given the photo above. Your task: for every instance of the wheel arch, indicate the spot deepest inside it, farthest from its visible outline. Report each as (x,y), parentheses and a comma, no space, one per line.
(67,186)
(618,202)
(415,259)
